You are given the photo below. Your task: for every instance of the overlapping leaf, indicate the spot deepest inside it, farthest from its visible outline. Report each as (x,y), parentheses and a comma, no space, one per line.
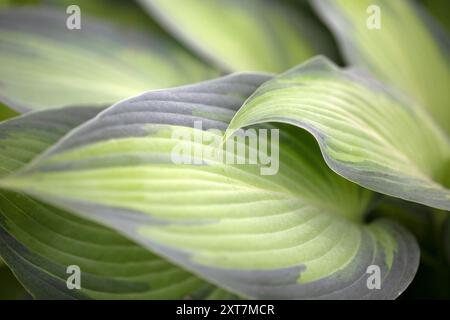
(6,112)
(10,3)
(45,65)
(439,9)
(408,51)
(10,288)
(366,133)
(296,234)
(122,13)
(446,239)
(40,241)
(241,35)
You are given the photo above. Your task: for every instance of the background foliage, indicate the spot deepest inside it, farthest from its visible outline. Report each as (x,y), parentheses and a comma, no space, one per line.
(396,129)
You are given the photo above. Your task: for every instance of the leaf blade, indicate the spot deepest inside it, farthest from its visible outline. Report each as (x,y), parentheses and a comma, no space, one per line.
(272,36)
(46,65)
(367,133)
(409,51)
(39,241)
(296,244)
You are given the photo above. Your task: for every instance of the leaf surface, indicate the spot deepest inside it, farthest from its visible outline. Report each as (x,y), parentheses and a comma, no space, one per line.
(46,65)
(366,132)
(409,50)
(39,241)
(295,234)
(241,35)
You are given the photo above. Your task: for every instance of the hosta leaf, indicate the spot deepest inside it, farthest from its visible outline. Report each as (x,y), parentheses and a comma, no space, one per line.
(8,3)
(447,239)
(439,9)
(123,13)
(39,241)
(241,35)
(296,234)
(404,52)
(45,65)
(417,218)
(366,133)
(10,288)
(26,136)
(6,112)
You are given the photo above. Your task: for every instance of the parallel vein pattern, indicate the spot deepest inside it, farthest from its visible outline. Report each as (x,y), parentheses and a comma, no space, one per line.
(272,36)
(40,241)
(297,234)
(45,65)
(366,133)
(409,50)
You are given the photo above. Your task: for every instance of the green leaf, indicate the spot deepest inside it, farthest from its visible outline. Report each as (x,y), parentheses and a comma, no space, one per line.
(409,51)
(9,3)
(6,113)
(45,65)
(241,35)
(296,234)
(418,219)
(123,13)
(39,241)
(446,239)
(10,288)
(366,133)
(439,9)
